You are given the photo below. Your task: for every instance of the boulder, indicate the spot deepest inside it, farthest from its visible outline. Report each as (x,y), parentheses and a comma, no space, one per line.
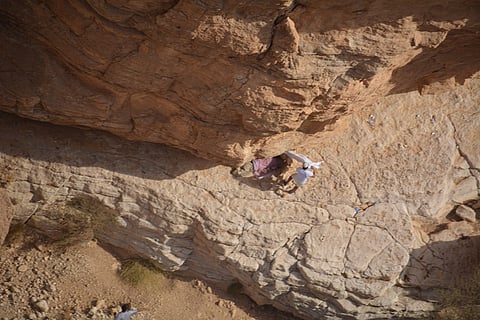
(309,253)
(6,214)
(466,213)
(386,94)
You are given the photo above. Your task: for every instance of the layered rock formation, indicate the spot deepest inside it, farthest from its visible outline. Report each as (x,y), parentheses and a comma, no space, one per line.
(387,96)
(223,79)
(410,161)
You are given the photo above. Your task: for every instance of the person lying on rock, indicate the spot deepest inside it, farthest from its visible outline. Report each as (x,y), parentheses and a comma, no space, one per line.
(262,168)
(126,313)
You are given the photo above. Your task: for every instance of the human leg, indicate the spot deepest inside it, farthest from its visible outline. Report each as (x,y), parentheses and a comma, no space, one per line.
(295,187)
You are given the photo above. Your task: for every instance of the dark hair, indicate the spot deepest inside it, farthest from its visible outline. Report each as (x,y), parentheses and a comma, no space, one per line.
(125,307)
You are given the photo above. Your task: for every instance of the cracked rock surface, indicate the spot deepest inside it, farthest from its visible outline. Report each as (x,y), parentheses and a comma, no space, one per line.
(408,163)
(227,80)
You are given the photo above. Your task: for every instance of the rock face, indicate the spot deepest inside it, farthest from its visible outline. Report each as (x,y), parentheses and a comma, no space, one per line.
(408,163)
(386,94)
(223,79)
(6,214)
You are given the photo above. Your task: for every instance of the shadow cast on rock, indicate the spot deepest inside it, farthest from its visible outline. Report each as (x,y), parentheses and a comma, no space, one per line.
(455,59)
(265,184)
(438,268)
(78,147)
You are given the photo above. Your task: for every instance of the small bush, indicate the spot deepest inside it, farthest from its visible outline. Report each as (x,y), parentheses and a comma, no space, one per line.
(61,225)
(141,272)
(79,220)
(102,218)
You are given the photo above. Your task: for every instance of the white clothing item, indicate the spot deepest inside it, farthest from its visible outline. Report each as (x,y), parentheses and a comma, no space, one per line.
(125,315)
(301,176)
(304,159)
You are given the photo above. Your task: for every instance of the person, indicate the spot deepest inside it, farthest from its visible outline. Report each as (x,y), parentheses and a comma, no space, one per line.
(126,313)
(262,168)
(303,159)
(300,177)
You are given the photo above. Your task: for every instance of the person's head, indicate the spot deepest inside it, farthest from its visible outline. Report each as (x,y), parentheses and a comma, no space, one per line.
(305,166)
(126,307)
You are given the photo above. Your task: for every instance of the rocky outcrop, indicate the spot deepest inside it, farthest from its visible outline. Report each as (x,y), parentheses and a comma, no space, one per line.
(6,214)
(222,79)
(386,94)
(409,163)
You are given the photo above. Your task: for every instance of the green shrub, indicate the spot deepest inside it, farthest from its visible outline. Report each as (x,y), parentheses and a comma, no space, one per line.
(138,272)
(78,220)
(101,217)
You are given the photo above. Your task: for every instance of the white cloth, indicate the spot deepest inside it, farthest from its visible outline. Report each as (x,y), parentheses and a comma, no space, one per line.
(125,315)
(301,176)
(304,159)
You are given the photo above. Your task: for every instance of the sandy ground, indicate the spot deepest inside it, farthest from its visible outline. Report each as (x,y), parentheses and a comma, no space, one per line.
(82,282)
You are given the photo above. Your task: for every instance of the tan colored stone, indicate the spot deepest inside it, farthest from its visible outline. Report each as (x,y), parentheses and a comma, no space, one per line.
(6,214)
(325,246)
(349,83)
(189,214)
(466,190)
(448,258)
(22,268)
(466,213)
(366,243)
(231,82)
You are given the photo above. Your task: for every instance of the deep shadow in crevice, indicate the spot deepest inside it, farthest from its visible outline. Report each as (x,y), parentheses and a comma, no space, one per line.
(92,148)
(452,215)
(82,147)
(438,268)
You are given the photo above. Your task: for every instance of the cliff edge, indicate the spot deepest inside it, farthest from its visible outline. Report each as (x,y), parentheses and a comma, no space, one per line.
(387,95)
(224,80)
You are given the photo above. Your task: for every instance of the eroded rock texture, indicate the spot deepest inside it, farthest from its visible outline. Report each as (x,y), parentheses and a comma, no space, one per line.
(386,94)
(410,161)
(225,79)
(6,214)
